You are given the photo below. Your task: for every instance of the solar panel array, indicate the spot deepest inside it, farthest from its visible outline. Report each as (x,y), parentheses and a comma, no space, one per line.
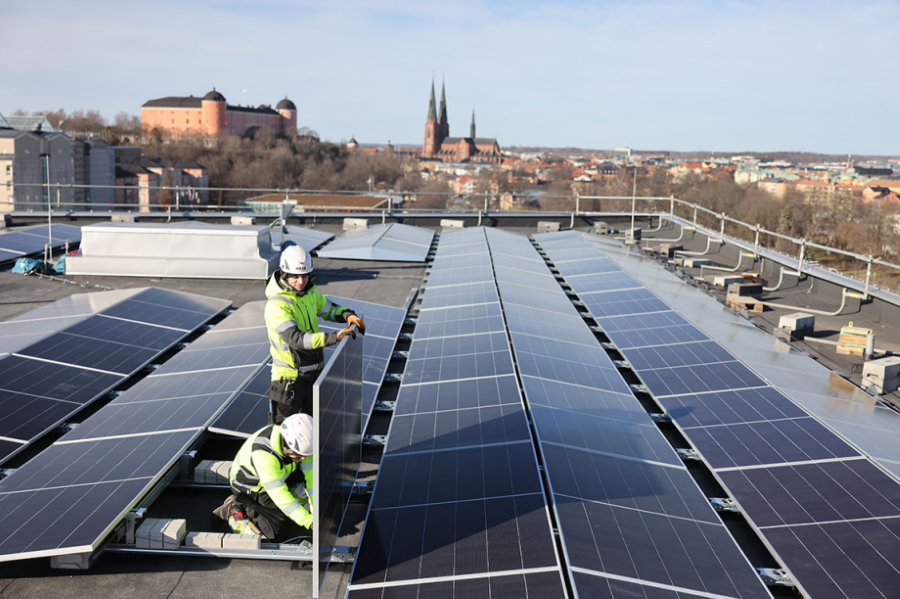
(632,520)
(17,243)
(250,409)
(307,238)
(392,242)
(827,511)
(458,507)
(45,382)
(70,496)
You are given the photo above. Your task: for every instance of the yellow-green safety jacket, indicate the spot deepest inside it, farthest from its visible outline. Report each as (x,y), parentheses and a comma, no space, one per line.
(261,467)
(292,320)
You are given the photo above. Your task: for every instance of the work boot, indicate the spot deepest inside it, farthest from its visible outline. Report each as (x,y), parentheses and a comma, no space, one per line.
(218,520)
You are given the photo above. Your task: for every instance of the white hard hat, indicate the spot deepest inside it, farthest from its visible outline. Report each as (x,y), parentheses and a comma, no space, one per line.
(297,434)
(295,260)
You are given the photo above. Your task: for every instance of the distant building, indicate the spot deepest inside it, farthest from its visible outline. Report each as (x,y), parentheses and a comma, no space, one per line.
(622,154)
(352,144)
(439,145)
(35,124)
(212,116)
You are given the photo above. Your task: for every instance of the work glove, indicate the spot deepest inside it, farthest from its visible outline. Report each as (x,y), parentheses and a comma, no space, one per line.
(344,332)
(306,521)
(354,319)
(331,339)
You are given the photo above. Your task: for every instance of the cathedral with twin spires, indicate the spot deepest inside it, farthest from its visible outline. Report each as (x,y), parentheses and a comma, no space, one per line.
(440,146)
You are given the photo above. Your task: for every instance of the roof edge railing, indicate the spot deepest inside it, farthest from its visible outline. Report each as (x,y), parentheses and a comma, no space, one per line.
(576,211)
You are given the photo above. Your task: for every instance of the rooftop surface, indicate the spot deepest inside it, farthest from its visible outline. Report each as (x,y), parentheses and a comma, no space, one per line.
(152,576)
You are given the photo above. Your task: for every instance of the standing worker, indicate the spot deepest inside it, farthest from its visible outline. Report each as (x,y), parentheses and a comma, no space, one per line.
(267,500)
(292,319)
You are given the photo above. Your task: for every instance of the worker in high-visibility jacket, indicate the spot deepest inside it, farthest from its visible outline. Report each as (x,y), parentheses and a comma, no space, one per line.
(292,313)
(267,499)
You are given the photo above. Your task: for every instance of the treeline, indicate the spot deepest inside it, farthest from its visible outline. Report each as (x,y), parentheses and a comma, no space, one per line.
(267,161)
(124,125)
(839,220)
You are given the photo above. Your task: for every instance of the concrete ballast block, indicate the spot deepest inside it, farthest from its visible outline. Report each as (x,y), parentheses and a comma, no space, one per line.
(544,226)
(355,223)
(884,369)
(203,540)
(243,220)
(447,223)
(745,289)
(696,262)
(149,534)
(232,541)
(724,280)
(798,321)
(669,249)
(173,533)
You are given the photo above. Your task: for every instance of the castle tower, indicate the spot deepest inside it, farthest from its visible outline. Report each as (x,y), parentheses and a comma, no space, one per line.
(288,112)
(213,110)
(472,126)
(443,123)
(432,141)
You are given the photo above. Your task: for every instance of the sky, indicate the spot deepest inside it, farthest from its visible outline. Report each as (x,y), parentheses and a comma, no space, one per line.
(726,76)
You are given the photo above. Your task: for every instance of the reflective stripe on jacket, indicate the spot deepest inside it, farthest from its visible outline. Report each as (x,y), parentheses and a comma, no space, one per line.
(287,310)
(261,467)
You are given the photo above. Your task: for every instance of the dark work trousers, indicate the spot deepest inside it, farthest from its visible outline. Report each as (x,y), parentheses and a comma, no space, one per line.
(291,397)
(271,521)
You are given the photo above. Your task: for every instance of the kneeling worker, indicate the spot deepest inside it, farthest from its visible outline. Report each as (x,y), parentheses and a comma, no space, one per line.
(292,313)
(264,502)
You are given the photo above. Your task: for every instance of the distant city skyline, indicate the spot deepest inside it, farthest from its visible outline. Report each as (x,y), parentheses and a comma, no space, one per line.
(685,76)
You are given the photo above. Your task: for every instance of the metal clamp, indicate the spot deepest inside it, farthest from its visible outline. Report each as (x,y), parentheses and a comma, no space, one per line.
(374,440)
(661,418)
(393,377)
(131,519)
(724,504)
(385,406)
(776,577)
(624,364)
(400,354)
(638,388)
(186,463)
(688,455)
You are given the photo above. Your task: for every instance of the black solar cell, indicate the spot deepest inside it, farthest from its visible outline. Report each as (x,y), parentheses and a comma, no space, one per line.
(458,428)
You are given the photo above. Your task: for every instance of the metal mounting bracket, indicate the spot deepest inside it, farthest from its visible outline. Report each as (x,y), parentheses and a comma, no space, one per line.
(186,465)
(638,388)
(578,303)
(775,577)
(393,377)
(724,504)
(385,406)
(374,440)
(410,320)
(688,455)
(66,427)
(362,489)
(624,364)
(400,355)
(586,315)
(604,344)
(661,418)
(405,337)
(4,472)
(131,519)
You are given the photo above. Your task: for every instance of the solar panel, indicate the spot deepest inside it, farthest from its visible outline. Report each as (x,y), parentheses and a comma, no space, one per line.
(828,513)
(309,239)
(24,242)
(625,504)
(533,584)
(249,411)
(458,493)
(459,295)
(391,242)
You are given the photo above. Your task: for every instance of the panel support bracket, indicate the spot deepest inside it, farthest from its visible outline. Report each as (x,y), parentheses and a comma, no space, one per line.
(362,489)
(131,524)
(724,504)
(400,354)
(4,472)
(405,337)
(661,418)
(688,455)
(374,440)
(623,364)
(385,406)
(637,388)
(775,577)
(393,377)
(186,465)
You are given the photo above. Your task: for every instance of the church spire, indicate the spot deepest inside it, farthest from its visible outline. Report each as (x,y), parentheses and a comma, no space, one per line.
(432,114)
(443,103)
(472,128)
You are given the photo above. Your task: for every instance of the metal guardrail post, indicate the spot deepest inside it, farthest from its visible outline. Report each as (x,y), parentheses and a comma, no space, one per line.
(695,214)
(485,201)
(868,275)
(802,255)
(672,206)
(722,226)
(756,243)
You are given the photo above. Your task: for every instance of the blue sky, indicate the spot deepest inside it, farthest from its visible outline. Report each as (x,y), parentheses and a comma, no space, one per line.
(718,76)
